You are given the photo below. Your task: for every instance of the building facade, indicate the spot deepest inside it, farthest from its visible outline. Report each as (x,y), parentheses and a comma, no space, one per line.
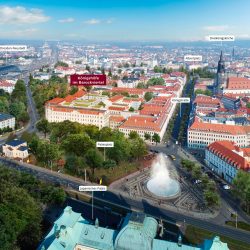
(225,158)
(6,121)
(201,134)
(16,149)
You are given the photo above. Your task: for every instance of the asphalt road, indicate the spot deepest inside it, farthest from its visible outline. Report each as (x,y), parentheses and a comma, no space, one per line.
(131,203)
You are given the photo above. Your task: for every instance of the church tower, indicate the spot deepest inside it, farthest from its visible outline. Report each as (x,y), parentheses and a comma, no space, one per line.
(220,76)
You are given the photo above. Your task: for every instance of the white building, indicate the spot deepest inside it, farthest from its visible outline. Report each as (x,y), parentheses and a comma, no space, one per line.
(201,134)
(128,83)
(16,149)
(225,158)
(7,85)
(6,121)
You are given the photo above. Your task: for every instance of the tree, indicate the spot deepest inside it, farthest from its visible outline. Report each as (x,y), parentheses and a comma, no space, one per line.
(211,198)
(137,148)
(19,92)
(140,85)
(94,159)
(17,109)
(47,153)
(74,164)
(242,188)
(34,145)
(43,126)
(105,134)
(205,179)
(147,136)
(155,81)
(77,144)
(196,172)
(211,186)
(102,104)
(148,96)
(133,135)
(156,138)
(73,90)
(131,109)
(203,92)
(60,63)
(121,150)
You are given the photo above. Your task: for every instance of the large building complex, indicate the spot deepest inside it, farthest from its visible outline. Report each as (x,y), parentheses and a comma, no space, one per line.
(126,113)
(138,232)
(225,158)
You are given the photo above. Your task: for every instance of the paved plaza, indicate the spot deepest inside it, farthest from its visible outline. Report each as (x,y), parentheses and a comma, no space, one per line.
(188,200)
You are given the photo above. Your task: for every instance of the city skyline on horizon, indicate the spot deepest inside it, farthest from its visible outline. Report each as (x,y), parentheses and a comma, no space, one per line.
(185,21)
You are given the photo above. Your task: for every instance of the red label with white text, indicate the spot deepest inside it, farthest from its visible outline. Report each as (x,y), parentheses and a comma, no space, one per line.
(87,80)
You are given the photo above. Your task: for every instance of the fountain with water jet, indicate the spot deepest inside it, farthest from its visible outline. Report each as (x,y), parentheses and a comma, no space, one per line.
(160,183)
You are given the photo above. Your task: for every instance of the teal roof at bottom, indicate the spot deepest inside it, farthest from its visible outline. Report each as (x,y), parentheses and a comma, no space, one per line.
(72,232)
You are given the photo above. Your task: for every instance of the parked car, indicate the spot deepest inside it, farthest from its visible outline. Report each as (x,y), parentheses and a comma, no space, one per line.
(226,187)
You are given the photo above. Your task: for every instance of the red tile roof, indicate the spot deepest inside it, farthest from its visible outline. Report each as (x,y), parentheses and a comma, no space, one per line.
(203,99)
(224,150)
(238,83)
(56,100)
(4,83)
(117,108)
(178,74)
(219,128)
(116,98)
(79,93)
(117,119)
(144,123)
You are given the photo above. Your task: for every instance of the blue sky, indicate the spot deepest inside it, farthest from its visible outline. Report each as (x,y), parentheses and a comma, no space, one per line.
(124,20)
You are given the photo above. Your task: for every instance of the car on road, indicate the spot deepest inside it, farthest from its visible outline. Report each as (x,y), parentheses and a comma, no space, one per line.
(172,157)
(197,181)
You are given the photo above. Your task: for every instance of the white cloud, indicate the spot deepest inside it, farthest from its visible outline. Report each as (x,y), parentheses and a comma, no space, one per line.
(67,20)
(92,21)
(21,15)
(216,28)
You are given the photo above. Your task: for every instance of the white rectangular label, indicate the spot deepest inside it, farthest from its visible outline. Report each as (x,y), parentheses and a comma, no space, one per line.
(104,144)
(192,58)
(10,48)
(180,100)
(221,38)
(92,188)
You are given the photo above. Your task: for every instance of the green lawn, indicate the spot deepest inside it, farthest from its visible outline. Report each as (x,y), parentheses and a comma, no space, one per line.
(196,236)
(240,224)
(81,105)
(118,172)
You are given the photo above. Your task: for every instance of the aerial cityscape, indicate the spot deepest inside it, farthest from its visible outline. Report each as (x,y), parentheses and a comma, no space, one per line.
(125,125)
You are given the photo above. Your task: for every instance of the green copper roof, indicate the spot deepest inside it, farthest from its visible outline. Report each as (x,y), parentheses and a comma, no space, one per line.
(137,233)
(215,244)
(168,245)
